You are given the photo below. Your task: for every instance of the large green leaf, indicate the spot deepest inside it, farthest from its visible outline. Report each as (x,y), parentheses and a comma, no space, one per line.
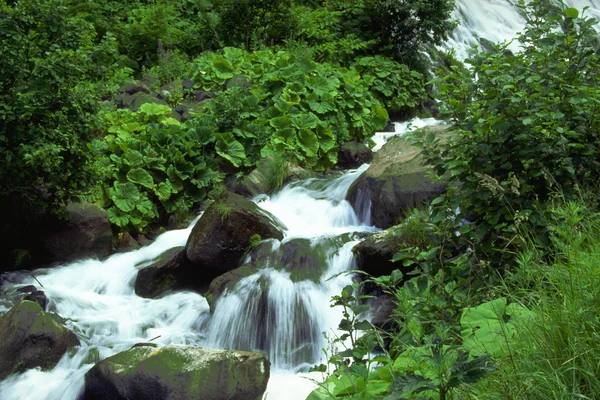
(230,149)
(308,141)
(163,190)
(305,121)
(117,217)
(491,327)
(146,207)
(141,177)
(125,196)
(326,138)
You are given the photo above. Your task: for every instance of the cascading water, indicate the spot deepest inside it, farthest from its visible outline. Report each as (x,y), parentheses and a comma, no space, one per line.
(496,21)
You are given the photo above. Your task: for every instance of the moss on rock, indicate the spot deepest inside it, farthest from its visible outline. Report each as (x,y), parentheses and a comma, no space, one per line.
(178,372)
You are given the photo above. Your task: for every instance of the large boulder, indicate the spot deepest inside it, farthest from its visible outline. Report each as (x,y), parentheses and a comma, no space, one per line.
(85,234)
(374,254)
(223,233)
(174,372)
(353,154)
(396,182)
(172,271)
(31,338)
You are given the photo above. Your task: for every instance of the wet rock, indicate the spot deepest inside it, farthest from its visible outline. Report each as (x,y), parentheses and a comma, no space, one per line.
(27,289)
(178,372)
(354,154)
(201,95)
(374,254)
(223,233)
(38,296)
(169,272)
(86,234)
(396,182)
(227,281)
(31,338)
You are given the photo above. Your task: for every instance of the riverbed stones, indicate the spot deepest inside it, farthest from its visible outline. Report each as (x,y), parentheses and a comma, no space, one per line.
(31,338)
(223,233)
(176,372)
(85,234)
(396,182)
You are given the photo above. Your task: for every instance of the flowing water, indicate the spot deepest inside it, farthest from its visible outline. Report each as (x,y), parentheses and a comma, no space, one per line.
(496,21)
(278,310)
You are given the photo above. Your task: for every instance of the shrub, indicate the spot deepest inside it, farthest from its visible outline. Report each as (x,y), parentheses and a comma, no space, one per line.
(528,129)
(152,166)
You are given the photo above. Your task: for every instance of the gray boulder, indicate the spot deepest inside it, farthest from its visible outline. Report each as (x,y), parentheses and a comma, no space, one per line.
(174,372)
(85,234)
(354,154)
(223,233)
(31,338)
(396,182)
(168,272)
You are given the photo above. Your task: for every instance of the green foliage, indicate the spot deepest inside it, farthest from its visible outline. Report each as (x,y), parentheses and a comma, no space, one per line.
(284,104)
(152,166)
(252,23)
(556,352)
(46,107)
(408,25)
(528,130)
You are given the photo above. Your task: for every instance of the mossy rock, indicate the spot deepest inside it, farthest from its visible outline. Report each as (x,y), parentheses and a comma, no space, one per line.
(374,254)
(223,234)
(31,338)
(178,372)
(143,98)
(397,181)
(261,179)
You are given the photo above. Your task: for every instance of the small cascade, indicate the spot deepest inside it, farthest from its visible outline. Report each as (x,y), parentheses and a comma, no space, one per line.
(496,21)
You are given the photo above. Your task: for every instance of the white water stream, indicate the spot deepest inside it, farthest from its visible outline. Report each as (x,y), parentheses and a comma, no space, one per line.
(267,311)
(496,21)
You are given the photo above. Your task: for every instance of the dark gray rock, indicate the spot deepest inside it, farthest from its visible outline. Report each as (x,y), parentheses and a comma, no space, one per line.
(178,372)
(142,98)
(354,154)
(171,271)
(223,233)
(38,296)
(86,234)
(31,338)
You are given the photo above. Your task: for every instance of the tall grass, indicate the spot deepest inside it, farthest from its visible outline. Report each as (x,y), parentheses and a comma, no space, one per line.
(557,353)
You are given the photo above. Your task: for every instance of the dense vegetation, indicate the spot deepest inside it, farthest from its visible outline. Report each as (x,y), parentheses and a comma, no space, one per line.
(281,79)
(500,305)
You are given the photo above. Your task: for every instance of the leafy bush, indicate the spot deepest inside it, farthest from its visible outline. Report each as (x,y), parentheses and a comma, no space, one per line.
(47,109)
(280,103)
(529,132)
(152,166)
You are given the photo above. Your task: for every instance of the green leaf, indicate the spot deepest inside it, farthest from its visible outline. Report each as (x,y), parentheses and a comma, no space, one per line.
(145,206)
(308,141)
(527,121)
(141,177)
(117,217)
(484,330)
(125,196)
(305,121)
(230,149)
(572,13)
(163,190)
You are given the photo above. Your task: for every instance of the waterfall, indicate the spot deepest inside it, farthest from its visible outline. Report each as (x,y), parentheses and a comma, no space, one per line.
(496,21)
